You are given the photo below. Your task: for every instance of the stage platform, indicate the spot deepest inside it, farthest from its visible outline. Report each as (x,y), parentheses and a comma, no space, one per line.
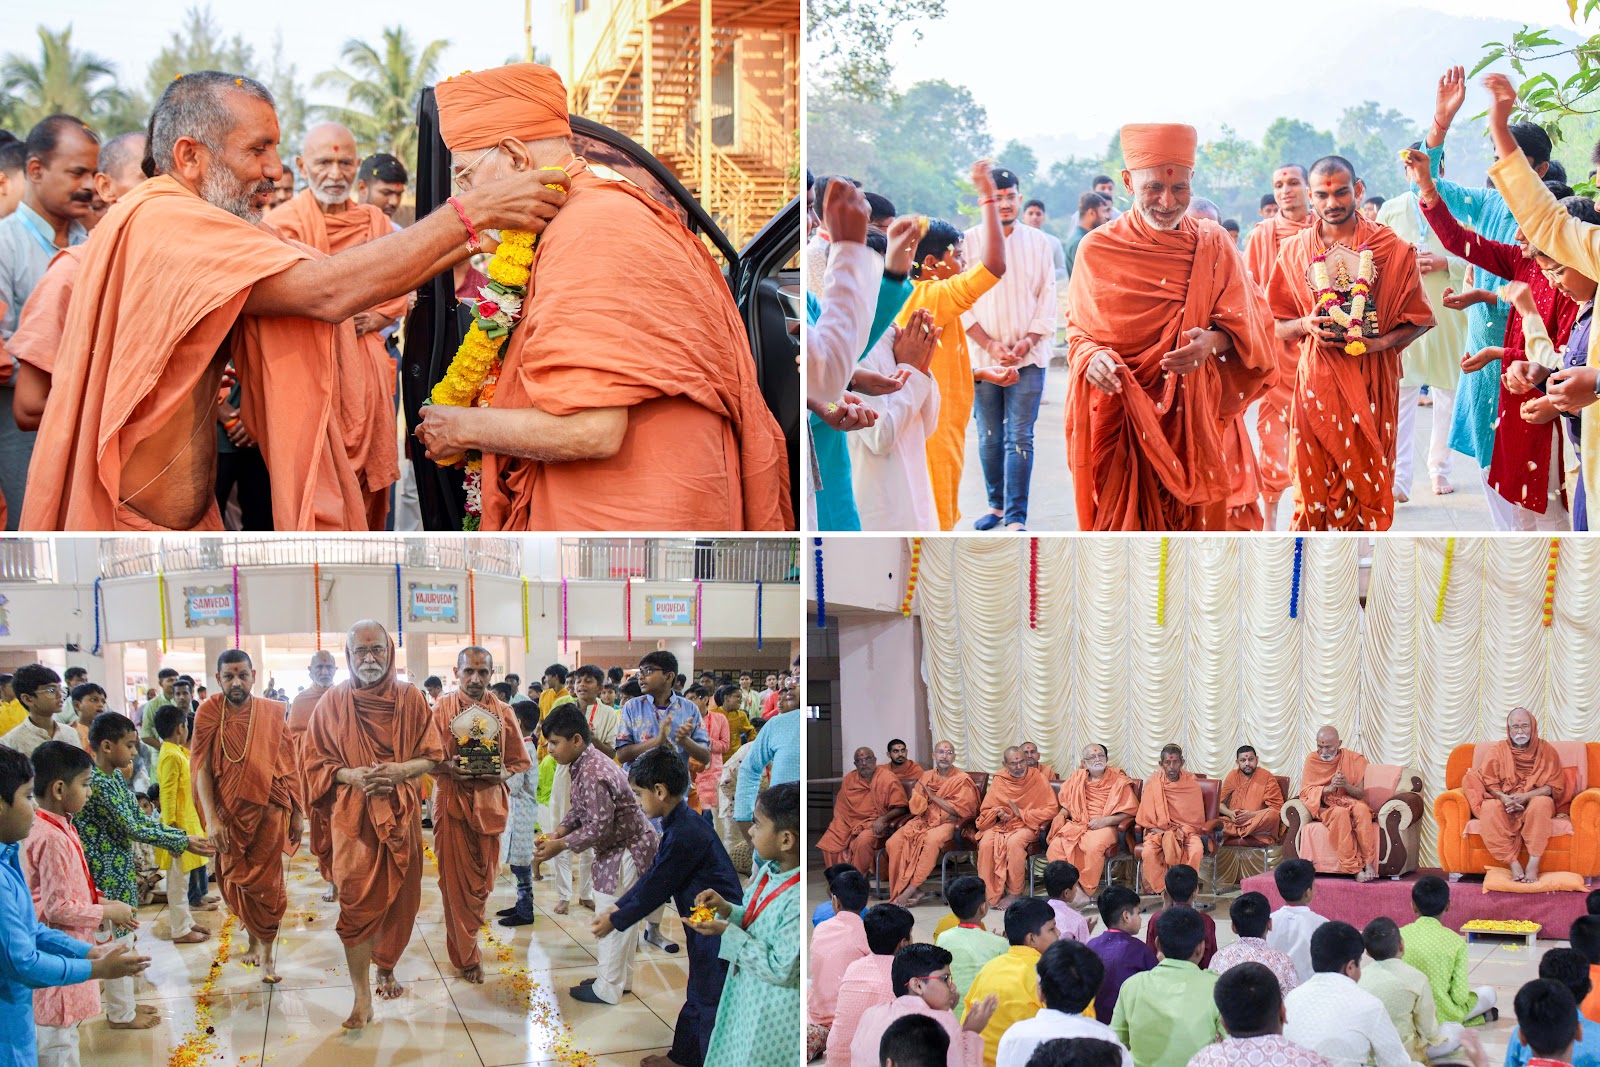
(1342,898)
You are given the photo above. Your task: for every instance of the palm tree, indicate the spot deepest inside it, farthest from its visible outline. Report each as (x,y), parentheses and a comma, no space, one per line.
(60,80)
(383,91)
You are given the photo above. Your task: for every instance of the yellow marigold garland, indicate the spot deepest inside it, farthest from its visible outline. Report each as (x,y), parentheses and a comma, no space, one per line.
(1444,578)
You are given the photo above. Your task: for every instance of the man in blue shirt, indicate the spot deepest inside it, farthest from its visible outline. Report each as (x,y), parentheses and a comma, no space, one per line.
(660,716)
(33,956)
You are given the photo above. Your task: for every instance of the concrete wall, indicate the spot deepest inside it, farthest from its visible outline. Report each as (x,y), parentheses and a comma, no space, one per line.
(858,572)
(881,692)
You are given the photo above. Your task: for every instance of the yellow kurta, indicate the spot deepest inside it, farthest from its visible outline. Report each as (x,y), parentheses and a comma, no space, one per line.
(177,802)
(1434,359)
(11,715)
(947,299)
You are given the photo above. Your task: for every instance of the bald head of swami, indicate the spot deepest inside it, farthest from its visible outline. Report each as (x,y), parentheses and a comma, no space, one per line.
(216,134)
(366,647)
(119,168)
(1016,763)
(328,162)
(322,668)
(1519,727)
(1328,744)
(1201,208)
(1159,159)
(501,121)
(944,755)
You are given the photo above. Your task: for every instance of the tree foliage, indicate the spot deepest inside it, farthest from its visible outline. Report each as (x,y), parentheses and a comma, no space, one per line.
(848,41)
(382,88)
(59,79)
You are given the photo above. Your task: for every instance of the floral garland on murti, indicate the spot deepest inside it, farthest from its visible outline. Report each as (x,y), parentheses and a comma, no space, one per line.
(1328,299)
(470,381)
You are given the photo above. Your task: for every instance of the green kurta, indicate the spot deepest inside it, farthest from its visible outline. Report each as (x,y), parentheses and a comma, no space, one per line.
(758,1021)
(1435,358)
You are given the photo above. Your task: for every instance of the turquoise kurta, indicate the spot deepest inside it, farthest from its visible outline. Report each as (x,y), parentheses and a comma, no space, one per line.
(836,500)
(1483,211)
(758,1021)
(1434,359)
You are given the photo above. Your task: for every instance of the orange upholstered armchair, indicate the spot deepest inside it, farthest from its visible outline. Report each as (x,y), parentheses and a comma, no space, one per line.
(1395,796)
(1575,838)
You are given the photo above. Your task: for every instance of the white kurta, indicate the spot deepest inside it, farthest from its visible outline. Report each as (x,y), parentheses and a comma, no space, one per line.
(889,459)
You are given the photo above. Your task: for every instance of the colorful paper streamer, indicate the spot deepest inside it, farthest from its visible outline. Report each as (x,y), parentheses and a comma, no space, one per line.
(627,609)
(1444,578)
(399,612)
(911,579)
(96,650)
(472,602)
(1294,587)
(1550,581)
(161,591)
(316,596)
(1161,586)
(236,610)
(822,603)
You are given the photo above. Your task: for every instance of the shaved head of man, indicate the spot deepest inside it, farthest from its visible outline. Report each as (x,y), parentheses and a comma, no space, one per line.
(1328,744)
(1519,727)
(322,668)
(367,647)
(120,170)
(1094,760)
(1030,752)
(328,162)
(1172,761)
(1290,190)
(866,762)
(944,755)
(1016,762)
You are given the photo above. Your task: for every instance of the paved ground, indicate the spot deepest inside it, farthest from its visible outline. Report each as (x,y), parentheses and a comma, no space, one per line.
(1051,504)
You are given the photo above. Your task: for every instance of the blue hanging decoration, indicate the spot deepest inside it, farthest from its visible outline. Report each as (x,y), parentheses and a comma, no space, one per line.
(822,604)
(1294,589)
(758,614)
(96,650)
(399,611)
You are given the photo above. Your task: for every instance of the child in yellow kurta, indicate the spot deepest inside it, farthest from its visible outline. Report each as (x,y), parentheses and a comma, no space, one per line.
(947,291)
(178,810)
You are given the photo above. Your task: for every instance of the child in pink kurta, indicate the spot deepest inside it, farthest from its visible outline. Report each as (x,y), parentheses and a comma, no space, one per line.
(718,736)
(65,899)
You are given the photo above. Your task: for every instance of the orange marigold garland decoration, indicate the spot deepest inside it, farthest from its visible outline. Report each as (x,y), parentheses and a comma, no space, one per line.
(911,579)
(1550,581)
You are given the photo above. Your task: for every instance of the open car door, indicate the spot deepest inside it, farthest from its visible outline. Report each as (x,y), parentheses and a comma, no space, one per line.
(438,321)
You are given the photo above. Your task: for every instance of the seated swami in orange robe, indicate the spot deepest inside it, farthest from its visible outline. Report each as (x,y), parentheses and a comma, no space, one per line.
(944,799)
(320,835)
(243,782)
(1095,799)
(870,797)
(1165,348)
(1516,794)
(1172,815)
(1020,804)
(1251,802)
(631,368)
(1346,407)
(369,740)
(469,814)
(1332,790)
(366,414)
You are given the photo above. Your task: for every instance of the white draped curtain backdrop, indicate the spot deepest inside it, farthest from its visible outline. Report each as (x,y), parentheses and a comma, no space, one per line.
(1230,667)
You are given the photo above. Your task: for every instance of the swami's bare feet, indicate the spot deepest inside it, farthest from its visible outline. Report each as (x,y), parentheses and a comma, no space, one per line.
(360,1016)
(1367,874)
(473,974)
(140,1021)
(1531,871)
(331,894)
(388,988)
(147,1009)
(193,937)
(252,953)
(269,963)
(1442,486)
(586,904)
(1517,873)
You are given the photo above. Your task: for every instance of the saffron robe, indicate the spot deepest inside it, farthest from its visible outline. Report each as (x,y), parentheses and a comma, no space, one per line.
(1272,418)
(1084,800)
(1172,815)
(914,849)
(849,837)
(1349,821)
(1512,770)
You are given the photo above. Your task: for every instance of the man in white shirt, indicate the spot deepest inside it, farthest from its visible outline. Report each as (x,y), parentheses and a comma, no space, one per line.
(1012,325)
(1294,924)
(1069,976)
(1330,1013)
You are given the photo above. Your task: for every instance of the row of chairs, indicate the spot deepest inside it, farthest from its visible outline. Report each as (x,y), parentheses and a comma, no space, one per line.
(964,848)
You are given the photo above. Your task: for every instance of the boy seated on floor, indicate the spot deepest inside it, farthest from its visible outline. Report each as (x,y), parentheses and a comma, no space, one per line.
(1182,882)
(970,945)
(1441,955)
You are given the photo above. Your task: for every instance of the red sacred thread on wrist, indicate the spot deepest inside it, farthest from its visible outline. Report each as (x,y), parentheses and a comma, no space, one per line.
(473,244)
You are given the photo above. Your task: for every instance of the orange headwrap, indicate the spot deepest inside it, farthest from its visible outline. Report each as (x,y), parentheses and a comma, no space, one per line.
(524,101)
(1158,144)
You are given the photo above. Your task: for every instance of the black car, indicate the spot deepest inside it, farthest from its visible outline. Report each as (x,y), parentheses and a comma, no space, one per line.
(764,285)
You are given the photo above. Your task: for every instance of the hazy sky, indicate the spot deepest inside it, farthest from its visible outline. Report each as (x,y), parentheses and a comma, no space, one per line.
(131,32)
(1032,68)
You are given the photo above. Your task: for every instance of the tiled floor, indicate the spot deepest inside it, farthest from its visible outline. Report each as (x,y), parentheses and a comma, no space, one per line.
(440,1019)
(1050,503)
(1506,967)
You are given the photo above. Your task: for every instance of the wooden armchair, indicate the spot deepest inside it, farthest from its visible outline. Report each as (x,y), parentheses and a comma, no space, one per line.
(1395,796)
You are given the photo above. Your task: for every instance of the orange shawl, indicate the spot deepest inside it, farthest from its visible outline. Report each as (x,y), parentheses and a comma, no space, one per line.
(907,771)
(1032,795)
(627,309)
(1261,252)
(957,789)
(1315,776)
(251,758)
(1151,457)
(483,803)
(1083,799)
(1346,407)
(44,316)
(142,341)
(1259,792)
(1512,770)
(1172,805)
(366,373)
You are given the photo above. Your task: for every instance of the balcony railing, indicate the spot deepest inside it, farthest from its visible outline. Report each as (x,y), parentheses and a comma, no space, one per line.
(681,560)
(27,559)
(128,557)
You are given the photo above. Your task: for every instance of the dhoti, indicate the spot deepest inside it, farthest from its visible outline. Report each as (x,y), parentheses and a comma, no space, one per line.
(1163,849)
(1003,860)
(1085,849)
(914,851)
(1349,824)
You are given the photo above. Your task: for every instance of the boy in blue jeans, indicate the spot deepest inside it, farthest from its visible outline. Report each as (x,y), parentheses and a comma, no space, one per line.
(690,860)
